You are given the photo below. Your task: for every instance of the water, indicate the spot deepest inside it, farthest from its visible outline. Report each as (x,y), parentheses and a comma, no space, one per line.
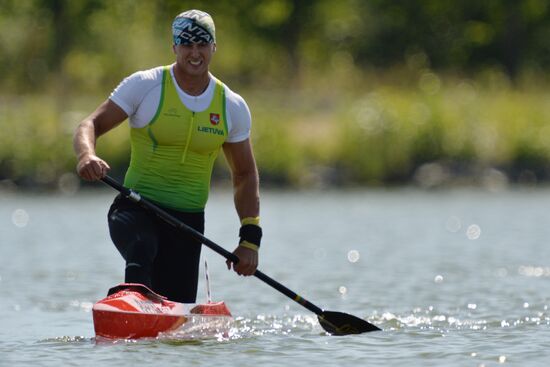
(455,278)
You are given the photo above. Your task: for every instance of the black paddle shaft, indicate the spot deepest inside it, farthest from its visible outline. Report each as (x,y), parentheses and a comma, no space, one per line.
(324,316)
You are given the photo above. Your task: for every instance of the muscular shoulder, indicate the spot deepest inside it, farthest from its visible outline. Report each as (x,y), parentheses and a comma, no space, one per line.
(234,99)
(133,89)
(146,78)
(238,116)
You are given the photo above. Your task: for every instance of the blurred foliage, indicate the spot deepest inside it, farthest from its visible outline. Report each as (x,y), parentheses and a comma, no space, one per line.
(90,44)
(341,92)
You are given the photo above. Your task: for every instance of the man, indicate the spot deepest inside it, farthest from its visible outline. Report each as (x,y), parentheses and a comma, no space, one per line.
(180,116)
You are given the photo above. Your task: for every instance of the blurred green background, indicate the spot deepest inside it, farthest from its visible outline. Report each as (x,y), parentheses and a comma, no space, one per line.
(342,92)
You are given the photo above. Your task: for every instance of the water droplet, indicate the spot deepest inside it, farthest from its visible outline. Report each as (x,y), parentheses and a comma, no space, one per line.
(68,183)
(501,359)
(526,305)
(353,256)
(473,354)
(473,232)
(20,217)
(343,290)
(453,224)
(438,279)
(472,306)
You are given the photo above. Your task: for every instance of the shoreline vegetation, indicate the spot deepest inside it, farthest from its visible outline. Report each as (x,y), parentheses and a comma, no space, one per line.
(342,93)
(425,129)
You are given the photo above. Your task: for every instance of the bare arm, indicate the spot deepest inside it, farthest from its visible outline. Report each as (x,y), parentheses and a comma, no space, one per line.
(245,178)
(106,117)
(246,196)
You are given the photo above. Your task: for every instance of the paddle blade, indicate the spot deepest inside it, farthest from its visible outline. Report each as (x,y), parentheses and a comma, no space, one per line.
(339,323)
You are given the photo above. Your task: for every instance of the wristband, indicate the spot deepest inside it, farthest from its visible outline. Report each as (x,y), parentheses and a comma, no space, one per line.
(250,220)
(249,245)
(250,233)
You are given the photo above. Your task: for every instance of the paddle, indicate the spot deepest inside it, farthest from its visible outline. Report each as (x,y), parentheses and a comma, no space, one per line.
(336,323)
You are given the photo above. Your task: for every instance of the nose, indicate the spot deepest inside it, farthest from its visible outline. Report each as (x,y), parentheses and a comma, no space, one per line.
(194,50)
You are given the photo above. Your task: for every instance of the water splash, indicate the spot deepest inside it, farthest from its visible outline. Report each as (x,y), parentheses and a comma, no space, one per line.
(237,329)
(274,325)
(461,319)
(66,340)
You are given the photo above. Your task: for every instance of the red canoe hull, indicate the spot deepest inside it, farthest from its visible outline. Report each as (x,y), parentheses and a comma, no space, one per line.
(133,311)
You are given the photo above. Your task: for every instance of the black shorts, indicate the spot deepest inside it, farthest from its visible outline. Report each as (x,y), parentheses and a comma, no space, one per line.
(157,254)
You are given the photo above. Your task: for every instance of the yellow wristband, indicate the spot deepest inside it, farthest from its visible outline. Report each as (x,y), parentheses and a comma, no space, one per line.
(249,245)
(250,220)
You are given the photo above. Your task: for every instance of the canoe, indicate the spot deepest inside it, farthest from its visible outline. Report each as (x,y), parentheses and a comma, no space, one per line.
(132,311)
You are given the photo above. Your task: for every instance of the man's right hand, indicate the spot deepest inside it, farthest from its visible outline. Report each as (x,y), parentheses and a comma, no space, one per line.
(108,115)
(92,168)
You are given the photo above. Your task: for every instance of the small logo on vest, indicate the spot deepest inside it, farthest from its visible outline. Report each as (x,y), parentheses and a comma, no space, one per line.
(214,118)
(172,112)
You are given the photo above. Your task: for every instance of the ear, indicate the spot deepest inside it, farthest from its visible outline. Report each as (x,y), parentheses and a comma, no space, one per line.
(174,48)
(213,48)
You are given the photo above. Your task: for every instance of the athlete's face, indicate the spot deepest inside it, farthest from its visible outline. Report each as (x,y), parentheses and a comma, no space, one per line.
(194,58)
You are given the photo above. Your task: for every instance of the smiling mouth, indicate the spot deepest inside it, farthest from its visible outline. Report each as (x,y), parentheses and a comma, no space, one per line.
(195,63)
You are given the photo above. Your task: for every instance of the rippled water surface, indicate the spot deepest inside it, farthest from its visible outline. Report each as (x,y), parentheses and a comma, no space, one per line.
(458,278)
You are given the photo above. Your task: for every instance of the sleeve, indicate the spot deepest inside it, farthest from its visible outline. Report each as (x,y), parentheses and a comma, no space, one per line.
(238,116)
(127,94)
(132,91)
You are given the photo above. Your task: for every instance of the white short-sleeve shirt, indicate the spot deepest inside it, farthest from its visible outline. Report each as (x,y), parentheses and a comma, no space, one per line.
(139,96)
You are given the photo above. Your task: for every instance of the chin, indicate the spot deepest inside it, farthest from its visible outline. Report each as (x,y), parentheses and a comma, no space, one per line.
(196,72)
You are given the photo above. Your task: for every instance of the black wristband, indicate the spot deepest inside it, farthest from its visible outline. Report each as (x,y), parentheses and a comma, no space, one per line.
(251,233)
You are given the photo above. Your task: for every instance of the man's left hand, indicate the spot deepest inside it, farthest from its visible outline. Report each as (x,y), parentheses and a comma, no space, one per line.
(248,261)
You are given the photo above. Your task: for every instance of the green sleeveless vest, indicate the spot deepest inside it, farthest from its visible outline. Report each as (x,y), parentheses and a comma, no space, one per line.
(173,156)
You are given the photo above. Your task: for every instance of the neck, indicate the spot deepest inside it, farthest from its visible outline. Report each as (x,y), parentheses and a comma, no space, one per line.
(193,85)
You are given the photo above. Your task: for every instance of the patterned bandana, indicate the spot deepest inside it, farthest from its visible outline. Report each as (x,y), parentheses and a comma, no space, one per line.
(193,26)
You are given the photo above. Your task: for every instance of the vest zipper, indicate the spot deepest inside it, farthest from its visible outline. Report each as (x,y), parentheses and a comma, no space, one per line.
(188,138)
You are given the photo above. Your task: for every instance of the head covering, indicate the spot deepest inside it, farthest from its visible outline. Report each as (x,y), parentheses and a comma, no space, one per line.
(193,26)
